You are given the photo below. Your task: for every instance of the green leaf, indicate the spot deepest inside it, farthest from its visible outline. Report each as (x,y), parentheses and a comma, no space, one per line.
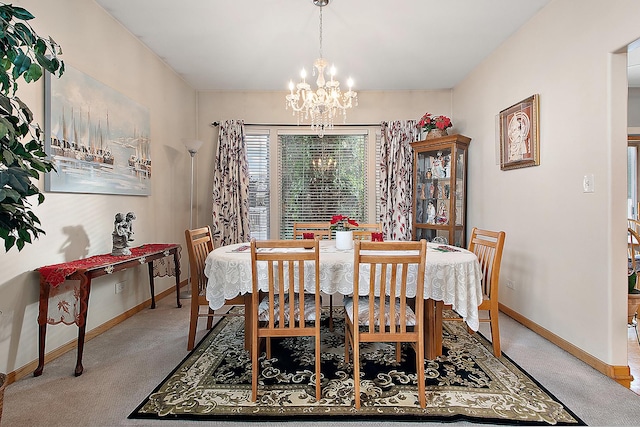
(20,244)
(24,235)
(20,65)
(24,33)
(9,242)
(21,13)
(40,47)
(33,74)
(5,102)
(45,62)
(13,195)
(4,130)
(5,62)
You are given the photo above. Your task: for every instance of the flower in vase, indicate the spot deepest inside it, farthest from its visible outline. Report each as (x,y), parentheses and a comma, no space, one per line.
(429,122)
(339,223)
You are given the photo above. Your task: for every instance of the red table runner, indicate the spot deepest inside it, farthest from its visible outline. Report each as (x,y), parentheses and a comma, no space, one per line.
(55,274)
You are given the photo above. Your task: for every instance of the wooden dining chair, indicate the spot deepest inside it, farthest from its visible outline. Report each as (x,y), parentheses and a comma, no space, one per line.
(363,231)
(633,294)
(488,246)
(321,229)
(367,319)
(285,310)
(633,224)
(199,244)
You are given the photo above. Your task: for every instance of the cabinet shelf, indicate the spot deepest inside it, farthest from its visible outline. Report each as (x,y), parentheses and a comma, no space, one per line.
(440,185)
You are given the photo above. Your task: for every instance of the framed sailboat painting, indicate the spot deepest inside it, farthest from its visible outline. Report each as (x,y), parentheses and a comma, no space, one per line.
(97,138)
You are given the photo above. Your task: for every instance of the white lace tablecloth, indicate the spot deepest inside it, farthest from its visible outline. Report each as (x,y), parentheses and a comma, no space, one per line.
(452,277)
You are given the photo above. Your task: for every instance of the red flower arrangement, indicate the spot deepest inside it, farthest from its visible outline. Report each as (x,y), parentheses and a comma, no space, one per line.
(339,222)
(428,122)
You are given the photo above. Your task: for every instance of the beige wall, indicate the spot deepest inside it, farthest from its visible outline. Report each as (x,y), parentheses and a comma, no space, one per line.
(97,45)
(564,249)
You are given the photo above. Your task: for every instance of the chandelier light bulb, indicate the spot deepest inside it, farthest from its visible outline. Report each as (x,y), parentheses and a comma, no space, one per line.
(303,74)
(350,83)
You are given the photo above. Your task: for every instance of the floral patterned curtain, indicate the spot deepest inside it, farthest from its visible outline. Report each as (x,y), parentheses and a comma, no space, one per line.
(231,186)
(396,177)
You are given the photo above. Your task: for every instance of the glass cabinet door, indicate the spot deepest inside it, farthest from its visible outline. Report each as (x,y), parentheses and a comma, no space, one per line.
(439,189)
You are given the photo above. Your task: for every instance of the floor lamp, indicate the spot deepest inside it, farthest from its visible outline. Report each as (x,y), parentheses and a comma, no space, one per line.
(192,147)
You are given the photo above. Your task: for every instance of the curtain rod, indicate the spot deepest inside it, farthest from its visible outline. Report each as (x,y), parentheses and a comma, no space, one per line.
(215,124)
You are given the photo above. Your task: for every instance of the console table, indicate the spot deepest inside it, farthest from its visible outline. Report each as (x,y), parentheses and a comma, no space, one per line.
(84,270)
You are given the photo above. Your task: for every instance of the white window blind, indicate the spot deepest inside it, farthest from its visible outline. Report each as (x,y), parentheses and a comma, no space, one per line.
(321,177)
(259,200)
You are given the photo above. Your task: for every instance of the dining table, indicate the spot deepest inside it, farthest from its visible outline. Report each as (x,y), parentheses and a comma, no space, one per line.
(452,277)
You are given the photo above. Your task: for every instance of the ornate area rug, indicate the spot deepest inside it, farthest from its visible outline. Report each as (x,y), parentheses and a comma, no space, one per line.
(467,383)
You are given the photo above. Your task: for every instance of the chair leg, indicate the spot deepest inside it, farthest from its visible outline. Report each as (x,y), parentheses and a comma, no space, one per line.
(210,318)
(347,338)
(422,398)
(193,324)
(356,374)
(318,374)
(495,332)
(255,366)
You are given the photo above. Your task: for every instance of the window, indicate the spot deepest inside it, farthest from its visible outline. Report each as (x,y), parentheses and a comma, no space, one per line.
(259,200)
(321,177)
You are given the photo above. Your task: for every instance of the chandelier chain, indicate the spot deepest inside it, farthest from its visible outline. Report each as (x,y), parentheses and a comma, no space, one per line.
(321,32)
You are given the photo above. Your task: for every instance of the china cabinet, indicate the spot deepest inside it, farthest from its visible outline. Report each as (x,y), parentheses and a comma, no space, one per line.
(440,189)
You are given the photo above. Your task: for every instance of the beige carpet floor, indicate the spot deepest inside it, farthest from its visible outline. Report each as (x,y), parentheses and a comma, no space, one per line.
(123,365)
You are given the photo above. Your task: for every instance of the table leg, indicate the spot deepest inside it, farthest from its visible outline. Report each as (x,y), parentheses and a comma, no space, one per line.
(433,328)
(85,288)
(176,264)
(438,328)
(429,338)
(152,285)
(248,321)
(43,312)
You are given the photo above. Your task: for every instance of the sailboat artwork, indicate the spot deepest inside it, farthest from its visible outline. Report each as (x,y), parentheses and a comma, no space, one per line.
(97,138)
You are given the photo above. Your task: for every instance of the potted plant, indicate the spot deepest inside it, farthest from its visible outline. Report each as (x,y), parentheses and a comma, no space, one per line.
(344,235)
(434,126)
(22,157)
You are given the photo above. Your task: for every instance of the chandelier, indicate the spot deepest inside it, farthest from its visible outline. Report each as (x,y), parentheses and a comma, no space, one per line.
(323,105)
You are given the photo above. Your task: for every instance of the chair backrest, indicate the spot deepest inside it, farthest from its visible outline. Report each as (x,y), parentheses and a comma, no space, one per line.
(199,244)
(282,279)
(488,246)
(634,225)
(363,231)
(320,229)
(390,265)
(633,250)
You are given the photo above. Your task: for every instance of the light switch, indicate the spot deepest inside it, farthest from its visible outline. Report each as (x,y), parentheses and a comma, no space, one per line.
(588,183)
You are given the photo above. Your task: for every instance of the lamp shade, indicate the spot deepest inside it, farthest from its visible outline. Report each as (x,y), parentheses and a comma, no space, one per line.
(193,145)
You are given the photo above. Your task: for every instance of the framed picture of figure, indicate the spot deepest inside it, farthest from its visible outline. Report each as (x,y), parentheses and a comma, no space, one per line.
(519,135)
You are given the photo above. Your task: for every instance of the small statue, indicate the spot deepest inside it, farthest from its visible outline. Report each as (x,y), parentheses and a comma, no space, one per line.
(129,221)
(122,232)
(431,213)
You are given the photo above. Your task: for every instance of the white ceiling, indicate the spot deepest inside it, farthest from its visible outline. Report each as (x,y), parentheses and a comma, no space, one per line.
(382,44)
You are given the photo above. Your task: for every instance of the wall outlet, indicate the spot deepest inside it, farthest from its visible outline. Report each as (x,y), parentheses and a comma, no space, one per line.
(119,287)
(510,284)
